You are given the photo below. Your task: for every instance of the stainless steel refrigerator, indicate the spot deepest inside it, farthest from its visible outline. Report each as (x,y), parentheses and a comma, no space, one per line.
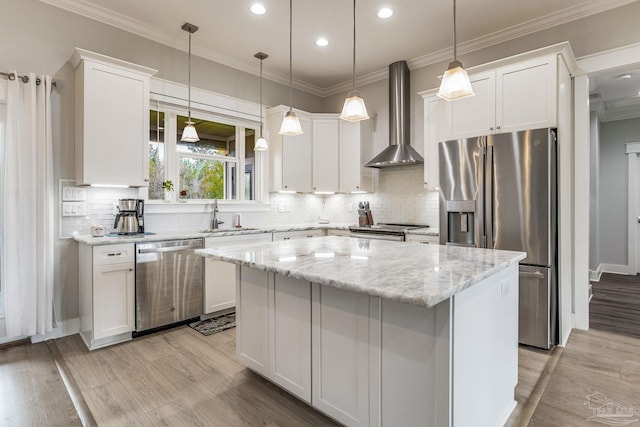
(499,191)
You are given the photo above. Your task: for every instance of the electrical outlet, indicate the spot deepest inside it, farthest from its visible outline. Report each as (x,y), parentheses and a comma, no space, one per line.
(282,207)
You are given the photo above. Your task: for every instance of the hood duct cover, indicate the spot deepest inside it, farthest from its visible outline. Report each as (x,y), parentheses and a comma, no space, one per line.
(399,152)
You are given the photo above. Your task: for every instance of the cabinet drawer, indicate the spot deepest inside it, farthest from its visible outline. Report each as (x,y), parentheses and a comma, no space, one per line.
(113,254)
(290,235)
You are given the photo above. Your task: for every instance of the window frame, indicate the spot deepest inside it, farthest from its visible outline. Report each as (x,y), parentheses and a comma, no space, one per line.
(205,105)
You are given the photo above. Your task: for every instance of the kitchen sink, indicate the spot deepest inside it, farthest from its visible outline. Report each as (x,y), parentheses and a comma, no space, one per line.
(228,230)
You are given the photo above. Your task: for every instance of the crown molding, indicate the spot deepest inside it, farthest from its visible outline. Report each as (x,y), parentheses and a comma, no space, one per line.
(123,22)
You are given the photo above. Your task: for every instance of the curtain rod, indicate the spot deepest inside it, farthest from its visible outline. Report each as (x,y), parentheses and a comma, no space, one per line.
(25,79)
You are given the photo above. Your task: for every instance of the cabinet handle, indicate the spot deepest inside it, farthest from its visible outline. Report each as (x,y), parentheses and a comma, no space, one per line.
(498,127)
(146,180)
(491,128)
(286,238)
(114,254)
(285,186)
(131,269)
(314,188)
(357,187)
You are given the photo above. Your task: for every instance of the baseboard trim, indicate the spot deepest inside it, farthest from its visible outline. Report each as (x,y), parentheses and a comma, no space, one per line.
(615,268)
(64,328)
(594,275)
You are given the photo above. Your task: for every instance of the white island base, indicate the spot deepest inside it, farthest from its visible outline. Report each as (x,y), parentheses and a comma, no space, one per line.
(370,361)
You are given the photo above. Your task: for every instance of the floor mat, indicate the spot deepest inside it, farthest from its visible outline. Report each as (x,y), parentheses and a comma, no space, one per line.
(215,324)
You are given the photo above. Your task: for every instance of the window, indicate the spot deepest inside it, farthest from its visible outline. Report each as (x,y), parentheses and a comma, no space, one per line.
(3,117)
(207,169)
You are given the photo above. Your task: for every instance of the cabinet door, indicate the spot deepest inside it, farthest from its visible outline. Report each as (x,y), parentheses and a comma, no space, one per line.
(113,300)
(325,155)
(290,335)
(473,116)
(434,133)
(252,317)
(296,159)
(355,148)
(340,343)
(526,95)
(114,126)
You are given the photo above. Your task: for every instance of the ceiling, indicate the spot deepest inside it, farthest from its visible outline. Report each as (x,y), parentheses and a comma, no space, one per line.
(615,94)
(420,31)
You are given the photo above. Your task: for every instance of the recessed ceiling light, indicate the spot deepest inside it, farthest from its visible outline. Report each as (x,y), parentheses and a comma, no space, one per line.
(623,77)
(258,9)
(322,42)
(385,13)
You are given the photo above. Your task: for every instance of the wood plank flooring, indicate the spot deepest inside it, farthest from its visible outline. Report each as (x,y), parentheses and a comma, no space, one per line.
(32,392)
(594,363)
(615,305)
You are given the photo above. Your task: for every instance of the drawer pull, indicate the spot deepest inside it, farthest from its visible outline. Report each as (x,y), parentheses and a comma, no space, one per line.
(114,254)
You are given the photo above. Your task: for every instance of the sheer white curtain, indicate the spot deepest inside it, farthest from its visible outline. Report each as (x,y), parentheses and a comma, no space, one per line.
(27,255)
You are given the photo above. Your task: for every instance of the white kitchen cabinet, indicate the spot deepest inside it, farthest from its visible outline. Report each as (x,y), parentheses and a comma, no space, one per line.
(325,153)
(423,238)
(274,333)
(340,345)
(356,143)
(434,133)
(107,293)
(290,156)
(252,317)
(301,234)
(112,120)
(290,335)
(220,277)
(515,97)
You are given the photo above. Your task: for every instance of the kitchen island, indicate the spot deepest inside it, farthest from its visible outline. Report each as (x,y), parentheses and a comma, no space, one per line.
(375,332)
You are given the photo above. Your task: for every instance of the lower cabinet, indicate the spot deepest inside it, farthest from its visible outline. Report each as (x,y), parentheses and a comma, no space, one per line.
(422,238)
(220,277)
(340,345)
(107,294)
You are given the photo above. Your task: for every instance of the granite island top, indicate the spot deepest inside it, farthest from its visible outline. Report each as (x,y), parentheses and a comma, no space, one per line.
(407,272)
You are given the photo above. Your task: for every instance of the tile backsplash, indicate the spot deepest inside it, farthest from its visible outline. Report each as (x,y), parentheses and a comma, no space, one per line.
(400,197)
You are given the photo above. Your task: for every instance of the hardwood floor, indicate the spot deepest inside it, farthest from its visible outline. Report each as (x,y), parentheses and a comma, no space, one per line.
(31,391)
(615,304)
(595,363)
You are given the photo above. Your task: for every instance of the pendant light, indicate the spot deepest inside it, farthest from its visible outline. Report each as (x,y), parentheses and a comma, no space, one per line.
(354,109)
(455,81)
(261,143)
(189,133)
(290,123)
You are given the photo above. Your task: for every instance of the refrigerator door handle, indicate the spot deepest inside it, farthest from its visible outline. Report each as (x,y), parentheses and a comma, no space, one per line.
(488,197)
(532,274)
(480,233)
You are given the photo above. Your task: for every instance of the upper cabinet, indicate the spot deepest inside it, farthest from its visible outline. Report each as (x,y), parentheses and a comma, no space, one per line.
(290,156)
(112,120)
(328,157)
(325,153)
(356,143)
(434,133)
(511,98)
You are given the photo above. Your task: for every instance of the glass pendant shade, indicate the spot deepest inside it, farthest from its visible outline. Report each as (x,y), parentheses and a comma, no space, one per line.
(261,145)
(189,133)
(354,109)
(455,83)
(290,125)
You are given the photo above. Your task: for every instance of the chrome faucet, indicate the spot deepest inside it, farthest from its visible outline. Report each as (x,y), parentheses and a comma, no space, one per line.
(214,216)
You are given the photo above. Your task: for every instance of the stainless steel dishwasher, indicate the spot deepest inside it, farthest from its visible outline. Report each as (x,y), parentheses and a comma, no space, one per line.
(169,278)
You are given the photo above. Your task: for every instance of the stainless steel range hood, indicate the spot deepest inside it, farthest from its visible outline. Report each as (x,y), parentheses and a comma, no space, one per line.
(399,152)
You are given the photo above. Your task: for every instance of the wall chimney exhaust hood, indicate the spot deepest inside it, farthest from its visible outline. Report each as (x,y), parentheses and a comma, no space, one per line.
(399,152)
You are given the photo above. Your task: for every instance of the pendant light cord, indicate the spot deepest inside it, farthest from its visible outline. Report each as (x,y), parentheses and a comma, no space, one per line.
(455,38)
(354,46)
(290,55)
(261,98)
(189,78)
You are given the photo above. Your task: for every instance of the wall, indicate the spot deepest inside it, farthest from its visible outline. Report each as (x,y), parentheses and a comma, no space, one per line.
(594,190)
(614,189)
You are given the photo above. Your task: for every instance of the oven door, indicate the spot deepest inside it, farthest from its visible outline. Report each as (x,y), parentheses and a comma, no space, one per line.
(377,236)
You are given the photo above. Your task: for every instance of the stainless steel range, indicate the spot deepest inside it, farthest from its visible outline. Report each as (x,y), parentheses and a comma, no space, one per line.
(383,231)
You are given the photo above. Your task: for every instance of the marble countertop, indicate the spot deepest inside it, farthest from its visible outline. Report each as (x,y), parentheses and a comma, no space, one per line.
(407,272)
(427,231)
(111,240)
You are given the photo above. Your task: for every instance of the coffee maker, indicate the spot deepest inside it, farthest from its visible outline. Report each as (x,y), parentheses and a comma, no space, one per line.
(130,217)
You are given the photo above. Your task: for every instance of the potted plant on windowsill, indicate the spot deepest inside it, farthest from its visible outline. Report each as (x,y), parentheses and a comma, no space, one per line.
(183,196)
(167,186)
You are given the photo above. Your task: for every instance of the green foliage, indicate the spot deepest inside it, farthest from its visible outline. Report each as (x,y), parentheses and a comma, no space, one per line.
(156,172)
(203,179)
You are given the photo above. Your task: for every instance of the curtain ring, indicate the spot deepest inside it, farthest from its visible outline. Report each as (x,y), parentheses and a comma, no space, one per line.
(12,76)
(25,79)
(38,81)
